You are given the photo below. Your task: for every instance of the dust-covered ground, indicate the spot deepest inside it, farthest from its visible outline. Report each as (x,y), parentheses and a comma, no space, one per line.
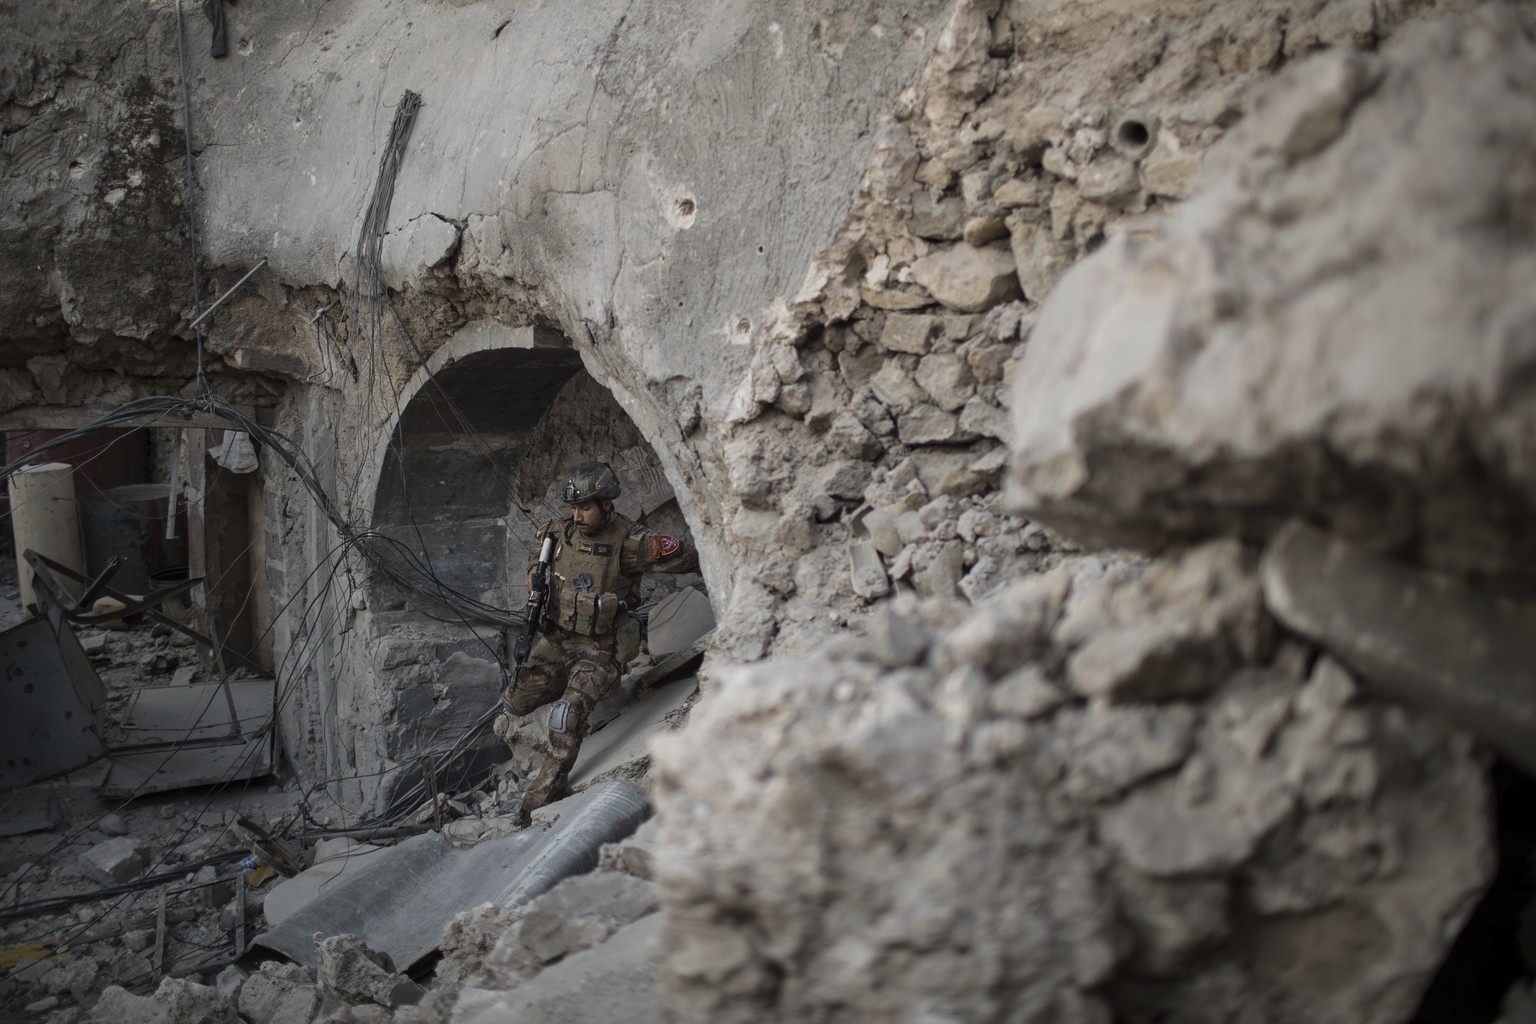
(83,878)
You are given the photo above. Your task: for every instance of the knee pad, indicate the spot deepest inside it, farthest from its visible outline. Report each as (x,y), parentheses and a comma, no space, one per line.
(560,716)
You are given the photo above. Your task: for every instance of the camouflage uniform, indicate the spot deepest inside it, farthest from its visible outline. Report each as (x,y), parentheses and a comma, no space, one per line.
(574,663)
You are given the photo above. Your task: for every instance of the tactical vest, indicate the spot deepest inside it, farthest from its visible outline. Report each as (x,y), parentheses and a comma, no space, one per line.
(586,585)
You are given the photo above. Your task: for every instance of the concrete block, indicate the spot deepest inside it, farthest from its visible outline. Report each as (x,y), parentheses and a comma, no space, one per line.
(115,861)
(615,981)
(679,621)
(1411,635)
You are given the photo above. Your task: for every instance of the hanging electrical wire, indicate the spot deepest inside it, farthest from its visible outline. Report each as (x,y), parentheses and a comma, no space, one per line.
(404,568)
(370,237)
(408,573)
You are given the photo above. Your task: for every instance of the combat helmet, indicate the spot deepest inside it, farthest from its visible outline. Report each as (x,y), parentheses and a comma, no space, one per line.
(590,481)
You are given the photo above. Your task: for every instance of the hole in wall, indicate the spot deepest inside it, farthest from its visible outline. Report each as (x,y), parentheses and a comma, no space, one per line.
(1134,134)
(679,207)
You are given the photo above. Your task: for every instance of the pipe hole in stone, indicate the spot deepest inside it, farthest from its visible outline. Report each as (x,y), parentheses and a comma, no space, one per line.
(1133,135)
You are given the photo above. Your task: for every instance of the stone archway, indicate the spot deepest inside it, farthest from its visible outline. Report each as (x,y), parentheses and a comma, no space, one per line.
(468,471)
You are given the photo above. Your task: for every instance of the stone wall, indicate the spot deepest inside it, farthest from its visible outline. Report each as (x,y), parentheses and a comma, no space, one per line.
(1142,789)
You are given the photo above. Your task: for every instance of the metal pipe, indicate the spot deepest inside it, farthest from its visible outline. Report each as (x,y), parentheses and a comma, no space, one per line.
(170,512)
(226,296)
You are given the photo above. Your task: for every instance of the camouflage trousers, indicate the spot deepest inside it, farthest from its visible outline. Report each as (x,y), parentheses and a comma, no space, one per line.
(574,672)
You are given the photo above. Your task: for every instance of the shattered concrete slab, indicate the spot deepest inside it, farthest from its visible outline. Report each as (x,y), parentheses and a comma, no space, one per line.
(1303,339)
(399,901)
(1137,858)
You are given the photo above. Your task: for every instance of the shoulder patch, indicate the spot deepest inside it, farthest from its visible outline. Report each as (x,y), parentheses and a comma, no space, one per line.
(662,545)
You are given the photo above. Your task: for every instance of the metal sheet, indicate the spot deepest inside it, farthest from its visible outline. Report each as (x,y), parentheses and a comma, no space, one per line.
(400,900)
(49,694)
(175,737)
(159,715)
(677,622)
(158,771)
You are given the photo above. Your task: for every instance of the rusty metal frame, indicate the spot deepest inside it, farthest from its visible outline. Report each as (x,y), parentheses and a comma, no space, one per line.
(75,610)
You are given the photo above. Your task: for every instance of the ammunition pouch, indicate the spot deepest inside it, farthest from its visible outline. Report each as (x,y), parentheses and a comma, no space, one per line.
(587,613)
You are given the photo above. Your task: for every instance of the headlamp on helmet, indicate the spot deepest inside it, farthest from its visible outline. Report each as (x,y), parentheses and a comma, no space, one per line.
(590,481)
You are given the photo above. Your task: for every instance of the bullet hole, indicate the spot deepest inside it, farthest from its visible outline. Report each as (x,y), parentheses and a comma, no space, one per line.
(1133,135)
(679,207)
(759,248)
(738,329)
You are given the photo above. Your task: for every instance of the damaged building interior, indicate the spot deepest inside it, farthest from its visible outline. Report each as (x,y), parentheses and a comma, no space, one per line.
(1106,431)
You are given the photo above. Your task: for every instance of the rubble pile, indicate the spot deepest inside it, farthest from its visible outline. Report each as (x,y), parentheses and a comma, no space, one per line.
(1096,798)
(1107,431)
(1122,789)
(108,869)
(586,948)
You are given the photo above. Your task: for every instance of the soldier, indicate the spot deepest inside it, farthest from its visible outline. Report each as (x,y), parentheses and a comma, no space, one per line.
(594,582)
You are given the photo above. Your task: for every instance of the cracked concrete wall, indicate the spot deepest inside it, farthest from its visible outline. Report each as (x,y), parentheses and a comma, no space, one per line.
(645,178)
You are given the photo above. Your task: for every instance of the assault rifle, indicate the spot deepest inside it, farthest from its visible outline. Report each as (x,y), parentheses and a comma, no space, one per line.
(538,595)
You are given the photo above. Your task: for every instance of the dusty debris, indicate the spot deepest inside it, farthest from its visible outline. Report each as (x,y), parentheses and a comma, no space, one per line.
(278,993)
(356,973)
(1167,285)
(115,860)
